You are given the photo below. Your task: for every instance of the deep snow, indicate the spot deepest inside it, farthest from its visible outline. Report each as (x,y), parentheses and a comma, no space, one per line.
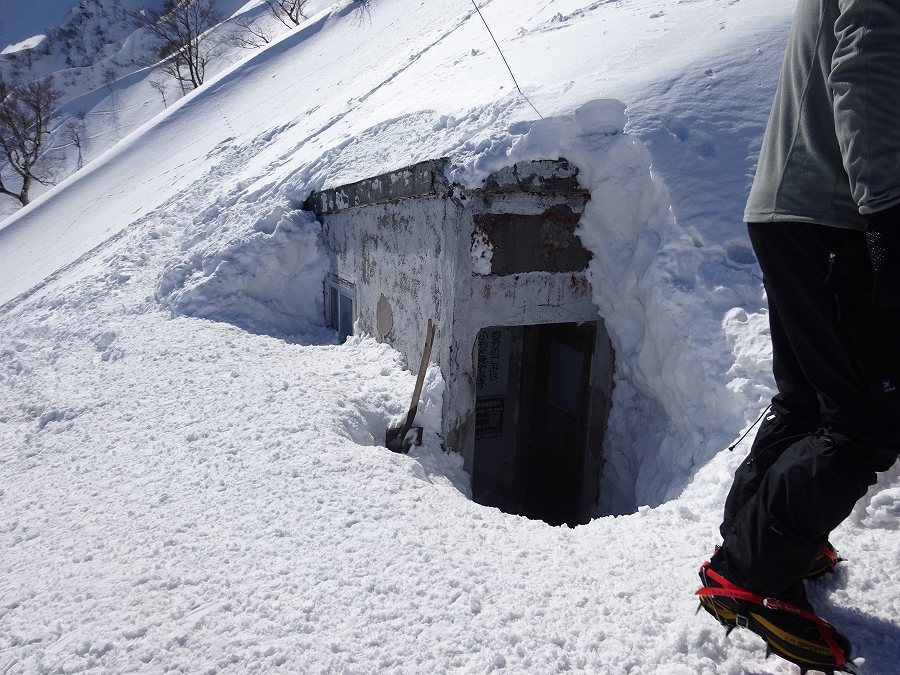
(181,493)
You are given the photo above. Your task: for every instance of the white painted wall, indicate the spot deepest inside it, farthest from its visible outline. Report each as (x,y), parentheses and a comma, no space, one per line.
(416,253)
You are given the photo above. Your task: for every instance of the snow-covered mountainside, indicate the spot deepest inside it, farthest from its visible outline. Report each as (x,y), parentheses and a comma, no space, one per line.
(102,63)
(191,469)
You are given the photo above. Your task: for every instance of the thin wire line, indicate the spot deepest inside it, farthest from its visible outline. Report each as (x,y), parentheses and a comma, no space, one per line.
(504,60)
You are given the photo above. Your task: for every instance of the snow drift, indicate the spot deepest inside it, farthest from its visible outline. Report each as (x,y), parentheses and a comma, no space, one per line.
(267,281)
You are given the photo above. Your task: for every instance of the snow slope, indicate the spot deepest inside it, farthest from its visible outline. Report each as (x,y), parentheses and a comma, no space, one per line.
(180,493)
(101,63)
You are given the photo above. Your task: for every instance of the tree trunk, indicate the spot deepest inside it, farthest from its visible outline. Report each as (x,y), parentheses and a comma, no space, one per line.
(23,193)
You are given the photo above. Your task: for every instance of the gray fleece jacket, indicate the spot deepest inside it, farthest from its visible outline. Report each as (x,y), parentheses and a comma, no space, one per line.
(831,151)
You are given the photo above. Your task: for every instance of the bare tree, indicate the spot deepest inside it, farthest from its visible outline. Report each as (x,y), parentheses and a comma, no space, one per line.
(289,12)
(160,89)
(363,14)
(250,33)
(182,31)
(73,135)
(25,113)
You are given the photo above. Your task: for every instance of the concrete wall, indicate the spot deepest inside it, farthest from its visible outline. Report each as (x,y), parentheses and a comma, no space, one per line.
(405,241)
(394,255)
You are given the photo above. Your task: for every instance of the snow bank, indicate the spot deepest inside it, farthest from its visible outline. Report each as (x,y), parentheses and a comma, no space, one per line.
(268,280)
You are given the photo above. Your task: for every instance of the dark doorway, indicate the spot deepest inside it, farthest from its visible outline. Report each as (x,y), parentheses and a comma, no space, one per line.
(533,401)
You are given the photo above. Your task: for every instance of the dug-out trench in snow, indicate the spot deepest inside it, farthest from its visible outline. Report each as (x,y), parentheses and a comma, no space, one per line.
(524,352)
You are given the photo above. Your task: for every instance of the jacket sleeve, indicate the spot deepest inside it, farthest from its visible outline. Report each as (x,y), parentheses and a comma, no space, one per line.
(865,82)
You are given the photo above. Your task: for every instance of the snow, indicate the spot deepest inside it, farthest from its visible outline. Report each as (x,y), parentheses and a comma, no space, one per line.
(269,281)
(192,474)
(29,43)
(482,252)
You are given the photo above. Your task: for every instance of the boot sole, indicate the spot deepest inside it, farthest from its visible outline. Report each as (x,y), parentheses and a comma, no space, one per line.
(808,654)
(798,650)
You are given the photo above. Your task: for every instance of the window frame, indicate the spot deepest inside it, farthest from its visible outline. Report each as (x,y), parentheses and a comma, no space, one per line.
(336,290)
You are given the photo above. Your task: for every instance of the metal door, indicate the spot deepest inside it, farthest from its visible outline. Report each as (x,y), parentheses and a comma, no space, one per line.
(554,432)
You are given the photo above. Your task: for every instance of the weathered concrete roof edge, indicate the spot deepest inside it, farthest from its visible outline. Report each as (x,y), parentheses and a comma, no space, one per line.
(428,178)
(418,180)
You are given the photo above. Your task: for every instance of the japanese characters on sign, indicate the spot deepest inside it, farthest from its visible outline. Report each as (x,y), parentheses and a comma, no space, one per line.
(492,372)
(492,362)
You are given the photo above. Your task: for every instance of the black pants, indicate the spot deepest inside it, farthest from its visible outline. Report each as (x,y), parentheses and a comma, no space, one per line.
(835,421)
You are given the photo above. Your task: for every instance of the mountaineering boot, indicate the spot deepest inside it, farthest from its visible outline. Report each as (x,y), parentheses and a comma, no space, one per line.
(789,626)
(824,563)
(723,609)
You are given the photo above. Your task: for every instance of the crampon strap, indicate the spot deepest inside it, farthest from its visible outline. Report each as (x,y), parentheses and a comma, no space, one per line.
(730,590)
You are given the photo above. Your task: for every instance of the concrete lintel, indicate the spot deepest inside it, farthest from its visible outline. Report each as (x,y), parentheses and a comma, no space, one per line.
(428,178)
(418,180)
(530,298)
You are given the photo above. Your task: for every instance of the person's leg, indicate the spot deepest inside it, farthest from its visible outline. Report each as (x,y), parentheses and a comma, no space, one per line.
(780,428)
(829,339)
(818,280)
(806,493)
(794,413)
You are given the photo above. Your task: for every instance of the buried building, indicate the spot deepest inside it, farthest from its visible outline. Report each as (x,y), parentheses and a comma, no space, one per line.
(524,352)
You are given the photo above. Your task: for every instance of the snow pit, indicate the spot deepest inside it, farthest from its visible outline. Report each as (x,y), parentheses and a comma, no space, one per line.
(633,287)
(395,251)
(628,273)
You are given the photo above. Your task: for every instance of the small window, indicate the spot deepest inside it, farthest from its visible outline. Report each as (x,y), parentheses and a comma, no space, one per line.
(341,307)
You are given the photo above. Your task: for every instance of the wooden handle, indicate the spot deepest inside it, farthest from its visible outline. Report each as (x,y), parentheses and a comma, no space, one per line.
(426,357)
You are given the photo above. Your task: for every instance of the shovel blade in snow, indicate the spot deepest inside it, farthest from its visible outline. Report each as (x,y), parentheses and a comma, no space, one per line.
(401,439)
